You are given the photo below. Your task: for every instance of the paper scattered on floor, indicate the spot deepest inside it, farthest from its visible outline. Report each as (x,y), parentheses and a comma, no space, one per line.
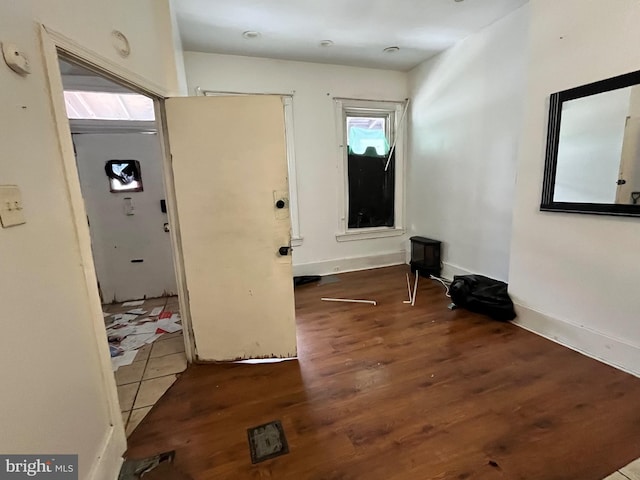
(133,303)
(153,338)
(128,332)
(136,341)
(124,359)
(168,325)
(124,318)
(120,332)
(149,327)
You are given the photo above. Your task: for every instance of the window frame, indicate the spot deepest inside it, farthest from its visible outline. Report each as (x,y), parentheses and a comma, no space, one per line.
(112,189)
(369,108)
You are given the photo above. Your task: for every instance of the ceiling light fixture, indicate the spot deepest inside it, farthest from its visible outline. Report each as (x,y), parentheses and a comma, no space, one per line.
(326,43)
(391,49)
(250,34)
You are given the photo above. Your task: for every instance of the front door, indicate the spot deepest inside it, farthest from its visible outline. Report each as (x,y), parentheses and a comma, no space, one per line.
(230,172)
(131,250)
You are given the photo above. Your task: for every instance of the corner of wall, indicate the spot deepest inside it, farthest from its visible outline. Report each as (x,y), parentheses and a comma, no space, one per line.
(107,465)
(178,51)
(467,105)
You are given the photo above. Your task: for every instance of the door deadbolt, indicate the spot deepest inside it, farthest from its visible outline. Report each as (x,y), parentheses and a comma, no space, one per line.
(280,204)
(284,251)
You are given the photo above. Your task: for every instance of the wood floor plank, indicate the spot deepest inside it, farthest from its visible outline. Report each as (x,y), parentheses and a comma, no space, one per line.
(395,392)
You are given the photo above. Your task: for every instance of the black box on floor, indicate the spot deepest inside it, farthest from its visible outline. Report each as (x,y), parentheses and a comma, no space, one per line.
(425,256)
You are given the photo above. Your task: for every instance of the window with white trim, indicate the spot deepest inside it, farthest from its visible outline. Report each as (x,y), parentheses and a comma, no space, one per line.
(371,169)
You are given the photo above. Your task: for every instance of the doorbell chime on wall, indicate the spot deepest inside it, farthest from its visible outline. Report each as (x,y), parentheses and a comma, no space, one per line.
(15,59)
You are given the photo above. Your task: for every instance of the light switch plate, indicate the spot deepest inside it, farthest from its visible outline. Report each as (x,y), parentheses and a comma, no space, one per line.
(11,211)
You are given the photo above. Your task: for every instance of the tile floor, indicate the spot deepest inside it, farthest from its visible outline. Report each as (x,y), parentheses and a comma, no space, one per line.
(630,472)
(155,368)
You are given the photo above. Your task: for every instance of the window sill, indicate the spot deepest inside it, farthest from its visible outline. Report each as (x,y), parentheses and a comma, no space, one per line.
(370,233)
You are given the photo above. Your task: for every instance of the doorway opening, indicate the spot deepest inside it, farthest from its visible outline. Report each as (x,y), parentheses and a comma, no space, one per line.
(228,306)
(119,159)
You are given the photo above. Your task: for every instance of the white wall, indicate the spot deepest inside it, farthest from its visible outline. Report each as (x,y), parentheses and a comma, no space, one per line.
(116,238)
(464,127)
(575,276)
(590,147)
(54,398)
(315,136)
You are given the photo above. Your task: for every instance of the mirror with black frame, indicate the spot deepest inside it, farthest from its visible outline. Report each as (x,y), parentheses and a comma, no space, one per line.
(593,149)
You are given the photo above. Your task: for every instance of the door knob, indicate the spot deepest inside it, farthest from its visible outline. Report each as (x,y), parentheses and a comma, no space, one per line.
(280,204)
(622,181)
(284,251)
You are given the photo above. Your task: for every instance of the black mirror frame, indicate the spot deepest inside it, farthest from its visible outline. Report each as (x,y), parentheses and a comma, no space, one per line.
(553,138)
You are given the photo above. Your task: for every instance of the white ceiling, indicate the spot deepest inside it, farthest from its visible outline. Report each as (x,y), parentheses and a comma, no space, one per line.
(360,29)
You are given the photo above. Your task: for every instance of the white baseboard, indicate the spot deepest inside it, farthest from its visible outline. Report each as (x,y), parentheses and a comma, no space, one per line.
(107,465)
(352,264)
(449,270)
(591,343)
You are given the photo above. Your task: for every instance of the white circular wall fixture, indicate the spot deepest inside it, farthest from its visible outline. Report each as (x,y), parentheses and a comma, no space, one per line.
(391,49)
(121,43)
(251,34)
(326,43)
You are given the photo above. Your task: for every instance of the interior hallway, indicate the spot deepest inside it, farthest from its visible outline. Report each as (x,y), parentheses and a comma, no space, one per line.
(399,392)
(154,369)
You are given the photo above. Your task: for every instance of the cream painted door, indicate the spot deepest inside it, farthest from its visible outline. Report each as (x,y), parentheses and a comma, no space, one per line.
(230,169)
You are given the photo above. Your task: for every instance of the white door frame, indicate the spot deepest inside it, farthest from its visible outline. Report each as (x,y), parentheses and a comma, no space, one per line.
(54,43)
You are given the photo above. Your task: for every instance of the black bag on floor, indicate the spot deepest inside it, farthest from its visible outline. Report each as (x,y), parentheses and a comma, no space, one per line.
(483,295)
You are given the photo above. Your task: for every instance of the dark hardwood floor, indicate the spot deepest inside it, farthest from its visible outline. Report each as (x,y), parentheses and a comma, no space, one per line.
(395,392)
